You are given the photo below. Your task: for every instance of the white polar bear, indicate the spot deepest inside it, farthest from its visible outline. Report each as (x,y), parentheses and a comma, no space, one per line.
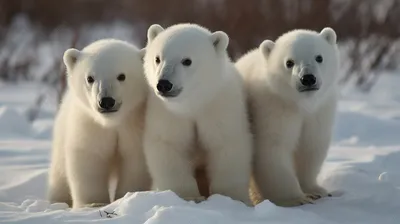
(99,127)
(291,87)
(196,113)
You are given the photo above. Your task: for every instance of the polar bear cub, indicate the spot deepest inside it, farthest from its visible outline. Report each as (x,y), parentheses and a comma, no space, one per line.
(291,87)
(196,113)
(99,127)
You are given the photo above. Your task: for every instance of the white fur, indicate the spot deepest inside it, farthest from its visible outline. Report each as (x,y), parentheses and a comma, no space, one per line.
(207,119)
(87,144)
(292,129)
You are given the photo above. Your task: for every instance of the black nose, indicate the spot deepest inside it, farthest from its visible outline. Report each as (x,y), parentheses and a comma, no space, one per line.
(164,86)
(107,103)
(308,80)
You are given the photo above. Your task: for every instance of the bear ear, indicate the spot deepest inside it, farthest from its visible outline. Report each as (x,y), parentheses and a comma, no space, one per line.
(329,35)
(153,32)
(220,40)
(71,57)
(266,47)
(142,52)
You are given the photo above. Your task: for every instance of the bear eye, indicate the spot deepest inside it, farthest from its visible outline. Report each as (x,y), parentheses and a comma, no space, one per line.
(90,79)
(121,77)
(186,62)
(158,60)
(319,59)
(289,63)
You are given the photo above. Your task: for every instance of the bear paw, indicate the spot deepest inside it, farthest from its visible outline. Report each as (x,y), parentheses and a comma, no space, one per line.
(295,202)
(195,199)
(317,193)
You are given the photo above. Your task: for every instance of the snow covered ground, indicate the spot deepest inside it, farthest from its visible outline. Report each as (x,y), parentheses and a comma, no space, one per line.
(362,169)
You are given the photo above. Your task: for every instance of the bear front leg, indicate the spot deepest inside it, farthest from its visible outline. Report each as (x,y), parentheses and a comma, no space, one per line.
(309,160)
(224,132)
(132,174)
(58,189)
(276,178)
(229,161)
(276,136)
(168,139)
(170,168)
(88,175)
(312,151)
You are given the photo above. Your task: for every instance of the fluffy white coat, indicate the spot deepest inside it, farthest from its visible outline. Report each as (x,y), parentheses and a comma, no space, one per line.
(90,143)
(202,119)
(292,116)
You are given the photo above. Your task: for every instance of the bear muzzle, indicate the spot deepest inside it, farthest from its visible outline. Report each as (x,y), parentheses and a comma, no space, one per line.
(108,105)
(166,89)
(308,83)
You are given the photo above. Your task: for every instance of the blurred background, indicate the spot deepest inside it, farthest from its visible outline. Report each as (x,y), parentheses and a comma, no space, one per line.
(35,33)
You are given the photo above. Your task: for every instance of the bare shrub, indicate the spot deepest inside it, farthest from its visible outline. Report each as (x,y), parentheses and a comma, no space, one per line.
(367,29)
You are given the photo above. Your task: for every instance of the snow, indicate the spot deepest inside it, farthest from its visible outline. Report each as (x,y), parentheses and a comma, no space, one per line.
(362,170)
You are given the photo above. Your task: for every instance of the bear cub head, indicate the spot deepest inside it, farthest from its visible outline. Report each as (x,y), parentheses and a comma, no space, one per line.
(107,79)
(302,65)
(185,64)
